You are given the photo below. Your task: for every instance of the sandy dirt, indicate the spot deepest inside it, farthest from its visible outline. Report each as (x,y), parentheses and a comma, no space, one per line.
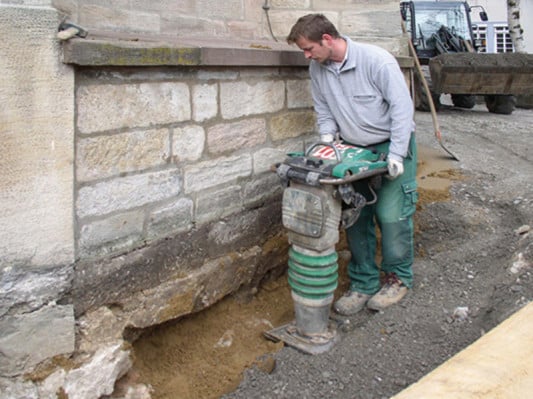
(471,227)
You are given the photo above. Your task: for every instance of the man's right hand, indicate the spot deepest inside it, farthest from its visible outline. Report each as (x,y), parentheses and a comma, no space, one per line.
(395,167)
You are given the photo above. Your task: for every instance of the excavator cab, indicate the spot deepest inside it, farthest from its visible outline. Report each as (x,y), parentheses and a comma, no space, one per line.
(438,27)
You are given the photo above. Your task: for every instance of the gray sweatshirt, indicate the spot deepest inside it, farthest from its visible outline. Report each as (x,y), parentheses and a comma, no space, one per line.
(366,100)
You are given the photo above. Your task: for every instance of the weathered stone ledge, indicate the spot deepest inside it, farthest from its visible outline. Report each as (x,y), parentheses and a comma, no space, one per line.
(128,50)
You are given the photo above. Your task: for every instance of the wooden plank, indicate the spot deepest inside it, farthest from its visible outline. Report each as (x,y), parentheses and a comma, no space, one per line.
(498,365)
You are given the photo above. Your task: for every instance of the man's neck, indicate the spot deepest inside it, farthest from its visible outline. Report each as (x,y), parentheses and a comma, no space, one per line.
(339,50)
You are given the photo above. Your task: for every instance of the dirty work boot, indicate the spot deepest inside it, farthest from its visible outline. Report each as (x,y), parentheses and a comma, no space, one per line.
(351,303)
(392,292)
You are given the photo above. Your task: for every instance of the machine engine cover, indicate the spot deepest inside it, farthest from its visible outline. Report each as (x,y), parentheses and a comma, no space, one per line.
(303,212)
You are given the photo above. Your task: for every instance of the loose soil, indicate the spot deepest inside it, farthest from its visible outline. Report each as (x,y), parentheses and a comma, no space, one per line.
(471,226)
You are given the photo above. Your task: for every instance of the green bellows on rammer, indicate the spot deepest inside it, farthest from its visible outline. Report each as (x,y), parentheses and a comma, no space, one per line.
(313,277)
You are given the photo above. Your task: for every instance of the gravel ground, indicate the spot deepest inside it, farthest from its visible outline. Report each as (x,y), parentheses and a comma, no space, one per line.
(468,273)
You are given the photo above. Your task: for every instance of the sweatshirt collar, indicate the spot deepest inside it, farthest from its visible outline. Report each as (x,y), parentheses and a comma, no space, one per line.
(349,60)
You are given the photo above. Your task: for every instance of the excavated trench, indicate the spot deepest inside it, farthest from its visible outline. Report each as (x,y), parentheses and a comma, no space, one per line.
(204,355)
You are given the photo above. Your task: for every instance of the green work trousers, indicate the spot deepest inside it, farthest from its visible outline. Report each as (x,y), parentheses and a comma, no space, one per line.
(393,213)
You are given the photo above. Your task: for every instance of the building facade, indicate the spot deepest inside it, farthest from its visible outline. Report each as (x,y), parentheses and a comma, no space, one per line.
(136,179)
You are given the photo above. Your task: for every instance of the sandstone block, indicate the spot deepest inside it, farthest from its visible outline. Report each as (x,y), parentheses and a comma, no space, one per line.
(291,4)
(208,174)
(204,101)
(299,94)
(110,106)
(266,157)
(243,98)
(212,205)
(292,124)
(235,136)
(30,338)
(188,143)
(229,9)
(182,6)
(97,378)
(105,156)
(127,192)
(170,219)
(380,20)
(282,19)
(37,97)
(118,15)
(29,290)
(261,189)
(115,233)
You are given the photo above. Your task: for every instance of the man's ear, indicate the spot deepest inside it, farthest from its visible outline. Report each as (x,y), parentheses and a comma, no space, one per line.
(327,38)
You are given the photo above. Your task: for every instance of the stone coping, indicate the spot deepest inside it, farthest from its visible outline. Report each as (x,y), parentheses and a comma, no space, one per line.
(111,49)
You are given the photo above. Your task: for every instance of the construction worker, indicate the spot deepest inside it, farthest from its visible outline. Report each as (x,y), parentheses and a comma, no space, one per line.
(360,93)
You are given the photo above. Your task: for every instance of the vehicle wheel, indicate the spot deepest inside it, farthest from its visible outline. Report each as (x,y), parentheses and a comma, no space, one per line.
(464,100)
(500,104)
(421,98)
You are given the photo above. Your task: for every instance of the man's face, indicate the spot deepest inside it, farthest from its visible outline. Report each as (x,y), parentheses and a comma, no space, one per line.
(318,51)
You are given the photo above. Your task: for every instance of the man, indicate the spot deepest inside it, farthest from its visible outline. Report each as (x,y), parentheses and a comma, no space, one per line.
(360,93)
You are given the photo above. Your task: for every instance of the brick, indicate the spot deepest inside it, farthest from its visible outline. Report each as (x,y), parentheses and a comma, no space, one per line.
(233,136)
(208,174)
(243,99)
(105,156)
(109,107)
(127,192)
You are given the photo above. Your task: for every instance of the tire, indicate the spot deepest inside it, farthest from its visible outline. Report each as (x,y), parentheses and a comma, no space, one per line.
(421,98)
(464,100)
(500,104)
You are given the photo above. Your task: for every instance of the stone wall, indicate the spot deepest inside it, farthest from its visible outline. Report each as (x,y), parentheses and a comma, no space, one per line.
(369,20)
(37,246)
(137,184)
(179,159)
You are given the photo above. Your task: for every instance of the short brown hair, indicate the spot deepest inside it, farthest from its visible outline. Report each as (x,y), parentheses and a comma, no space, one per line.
(312,27)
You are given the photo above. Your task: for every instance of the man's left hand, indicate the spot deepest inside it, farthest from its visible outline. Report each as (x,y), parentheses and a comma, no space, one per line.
(395,166)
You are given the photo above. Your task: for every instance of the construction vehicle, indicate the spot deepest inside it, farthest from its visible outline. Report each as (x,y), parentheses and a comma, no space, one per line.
(442,36)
